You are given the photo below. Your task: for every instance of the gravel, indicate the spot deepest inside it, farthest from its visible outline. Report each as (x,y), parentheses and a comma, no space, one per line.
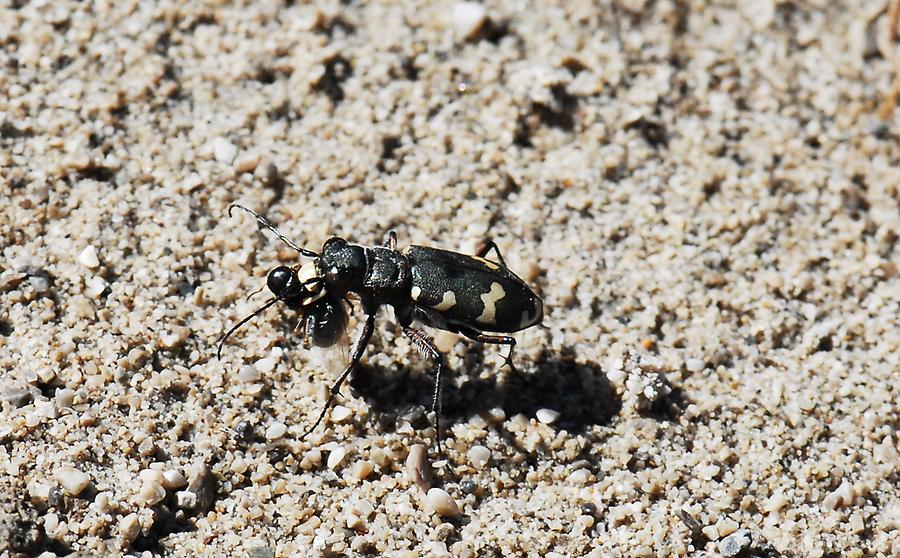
(704,195)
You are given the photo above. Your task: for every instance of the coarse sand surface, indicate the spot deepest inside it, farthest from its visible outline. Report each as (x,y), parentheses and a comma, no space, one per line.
(704,194)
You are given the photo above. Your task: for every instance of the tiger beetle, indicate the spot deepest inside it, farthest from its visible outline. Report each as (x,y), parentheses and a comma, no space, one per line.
(468,295)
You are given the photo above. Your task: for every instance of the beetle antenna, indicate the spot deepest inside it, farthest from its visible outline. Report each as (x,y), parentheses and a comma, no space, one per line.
(242,322)
(254,293)
(263,222)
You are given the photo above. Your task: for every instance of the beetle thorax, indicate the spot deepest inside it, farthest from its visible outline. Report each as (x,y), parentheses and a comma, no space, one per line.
(343,265)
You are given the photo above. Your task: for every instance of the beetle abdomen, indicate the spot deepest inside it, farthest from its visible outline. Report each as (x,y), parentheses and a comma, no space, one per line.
(472,291)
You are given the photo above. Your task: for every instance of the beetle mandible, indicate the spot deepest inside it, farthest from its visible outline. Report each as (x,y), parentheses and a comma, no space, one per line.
(468,295)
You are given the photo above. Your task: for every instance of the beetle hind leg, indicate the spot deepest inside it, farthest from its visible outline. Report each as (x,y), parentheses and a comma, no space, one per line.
(427,348)
(476,335)
(486,246)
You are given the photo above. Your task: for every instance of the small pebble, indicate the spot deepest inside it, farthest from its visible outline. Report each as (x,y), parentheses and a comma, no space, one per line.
(276,430)
(417,466)
(95,286)
(735,544)
(468,18)
(247,162)
(841,497)
(445,341)
(224,151)
(265,365)
(248,373)
(186,500)
(547,416)
(72,480)
(479,456)
(17,397)
(63,398)
(362,469)
(173,479)
(129,527)
(340,413)
(88,258)
(581,476)
(151,493)
(336,457)
(51,522)
(202,483)
(440,502)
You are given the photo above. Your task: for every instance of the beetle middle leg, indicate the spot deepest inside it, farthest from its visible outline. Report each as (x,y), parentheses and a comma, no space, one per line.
(476,335)
(486,246)
(357,354)
(427,348)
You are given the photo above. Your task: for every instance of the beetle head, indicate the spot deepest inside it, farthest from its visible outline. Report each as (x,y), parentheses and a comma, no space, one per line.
(286,287)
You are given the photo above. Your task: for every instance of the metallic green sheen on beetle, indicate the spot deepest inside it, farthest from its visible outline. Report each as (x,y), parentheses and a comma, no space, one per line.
(465,294)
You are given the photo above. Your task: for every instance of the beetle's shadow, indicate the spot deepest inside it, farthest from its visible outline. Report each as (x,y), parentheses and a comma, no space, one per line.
(579,391)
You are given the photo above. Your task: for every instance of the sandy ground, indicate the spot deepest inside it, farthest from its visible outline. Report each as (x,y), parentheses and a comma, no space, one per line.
(703,195)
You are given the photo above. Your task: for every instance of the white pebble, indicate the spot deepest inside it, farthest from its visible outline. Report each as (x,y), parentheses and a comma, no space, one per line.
(265,365)
(247,162)
(51,522)
(173,479)
(417,466)
(547,416)
(362,469)
(581,476)
(224,151)
(276,430)
(479,456)
(151,493)
(440,502)
(248,373)
(445,341)
(616,376)
(354,521)
(468,18)
(694,364)
(336,457)
(88,258)
(64,398)
(95,286)
(129,527)
(186,500)
(72,480)
(340,413)
(842,496)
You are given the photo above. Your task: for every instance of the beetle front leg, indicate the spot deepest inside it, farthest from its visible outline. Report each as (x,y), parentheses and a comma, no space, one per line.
(476,335)
(357,354)
(427,348)
(486,246)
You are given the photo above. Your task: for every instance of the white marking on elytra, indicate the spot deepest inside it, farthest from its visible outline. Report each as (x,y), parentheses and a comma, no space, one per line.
(488,263)
(415,292)
(490,299)
(448,302)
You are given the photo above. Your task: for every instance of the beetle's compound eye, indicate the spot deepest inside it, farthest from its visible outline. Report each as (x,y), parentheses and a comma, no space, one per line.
(278,280)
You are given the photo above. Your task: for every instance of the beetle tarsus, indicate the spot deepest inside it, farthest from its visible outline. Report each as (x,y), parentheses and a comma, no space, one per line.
(493,340)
